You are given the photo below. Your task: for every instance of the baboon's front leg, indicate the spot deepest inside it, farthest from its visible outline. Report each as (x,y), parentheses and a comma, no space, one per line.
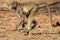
(21,19)
(19,25)
(30,21)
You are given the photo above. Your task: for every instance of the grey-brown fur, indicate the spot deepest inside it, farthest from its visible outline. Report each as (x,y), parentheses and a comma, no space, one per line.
(25,11)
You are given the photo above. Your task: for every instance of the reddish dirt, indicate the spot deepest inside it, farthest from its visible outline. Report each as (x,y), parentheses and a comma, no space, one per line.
(9,20)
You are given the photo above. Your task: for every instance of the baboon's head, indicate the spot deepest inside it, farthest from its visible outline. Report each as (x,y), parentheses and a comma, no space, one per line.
(26,11)
(14,5)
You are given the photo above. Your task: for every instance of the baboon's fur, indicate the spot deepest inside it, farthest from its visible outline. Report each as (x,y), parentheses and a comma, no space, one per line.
(26,10)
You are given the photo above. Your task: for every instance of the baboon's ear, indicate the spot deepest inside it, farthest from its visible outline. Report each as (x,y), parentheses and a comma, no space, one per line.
(14,5)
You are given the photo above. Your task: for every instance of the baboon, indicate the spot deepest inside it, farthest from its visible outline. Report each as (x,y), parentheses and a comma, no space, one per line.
(26,10)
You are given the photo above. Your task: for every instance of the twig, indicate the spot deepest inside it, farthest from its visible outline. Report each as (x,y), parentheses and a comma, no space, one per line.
(50,15)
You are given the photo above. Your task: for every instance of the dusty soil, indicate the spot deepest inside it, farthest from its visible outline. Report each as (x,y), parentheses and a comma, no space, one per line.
(9,20)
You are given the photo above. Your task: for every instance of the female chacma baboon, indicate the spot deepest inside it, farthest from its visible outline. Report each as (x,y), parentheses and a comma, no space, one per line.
(26,11)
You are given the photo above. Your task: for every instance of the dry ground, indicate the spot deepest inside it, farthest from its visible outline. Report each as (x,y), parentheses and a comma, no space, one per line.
(9,20)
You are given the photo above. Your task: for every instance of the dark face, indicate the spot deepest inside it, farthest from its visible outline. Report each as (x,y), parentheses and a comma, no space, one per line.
(14,5)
